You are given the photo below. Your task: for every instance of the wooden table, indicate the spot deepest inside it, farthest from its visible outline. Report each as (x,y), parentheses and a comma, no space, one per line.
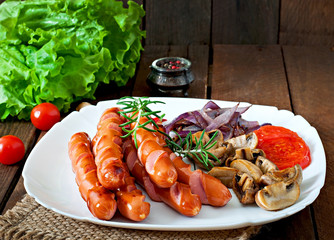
(299,79)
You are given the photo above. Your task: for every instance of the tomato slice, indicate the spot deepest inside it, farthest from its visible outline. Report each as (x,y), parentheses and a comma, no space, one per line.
(269,131)
(283,147)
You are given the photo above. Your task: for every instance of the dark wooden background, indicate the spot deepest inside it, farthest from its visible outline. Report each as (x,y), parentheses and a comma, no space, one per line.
(208,22)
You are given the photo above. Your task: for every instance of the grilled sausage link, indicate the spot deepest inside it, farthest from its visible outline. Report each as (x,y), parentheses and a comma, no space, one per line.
(131,201)
(178,196)
(100,201)
(107,150)
(154,157)
(112,171)
(210,189)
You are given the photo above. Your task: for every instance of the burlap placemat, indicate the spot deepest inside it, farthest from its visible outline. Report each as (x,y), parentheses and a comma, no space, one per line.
(30,220)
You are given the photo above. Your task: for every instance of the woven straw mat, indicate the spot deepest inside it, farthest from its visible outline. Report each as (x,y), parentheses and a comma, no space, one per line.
(30,220)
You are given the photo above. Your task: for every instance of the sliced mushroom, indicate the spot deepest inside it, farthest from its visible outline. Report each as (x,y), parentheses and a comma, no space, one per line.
(278,195)
(196,136)
(224,174)
(219,138)
(244,188)
(243,153)
(294,173)
(265,164)
(258,152)
(220,150)
(228,161)
(243,141)
(247,167)
(248,154)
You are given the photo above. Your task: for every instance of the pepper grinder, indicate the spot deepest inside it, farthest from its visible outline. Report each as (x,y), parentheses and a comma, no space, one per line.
(170,76)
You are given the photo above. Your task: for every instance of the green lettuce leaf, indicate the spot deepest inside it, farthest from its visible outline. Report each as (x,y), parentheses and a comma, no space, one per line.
(59,51)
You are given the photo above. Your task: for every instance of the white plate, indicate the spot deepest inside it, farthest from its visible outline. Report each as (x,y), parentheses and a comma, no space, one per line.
(49,179)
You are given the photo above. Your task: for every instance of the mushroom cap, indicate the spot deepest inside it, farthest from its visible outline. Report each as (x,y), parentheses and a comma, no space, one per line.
(278,196)
(224,174)
(243,141)
(244,188)
(247,167)
(265,164)
(294,173)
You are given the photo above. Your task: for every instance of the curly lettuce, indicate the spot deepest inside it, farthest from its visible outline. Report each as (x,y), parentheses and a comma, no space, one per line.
(59,51)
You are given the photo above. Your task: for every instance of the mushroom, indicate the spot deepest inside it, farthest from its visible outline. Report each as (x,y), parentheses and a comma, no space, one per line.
(247,167)
(278,195)
(224,174)
(265,164)
(243,141)
(219,138)
(294,173)
(196,136)
(248,154)
(219,149)
(244,188)
(243,153)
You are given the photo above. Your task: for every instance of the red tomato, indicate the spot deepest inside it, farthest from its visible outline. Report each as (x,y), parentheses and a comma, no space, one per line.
(158,121)
(11,149)
(283,147)
(44,116)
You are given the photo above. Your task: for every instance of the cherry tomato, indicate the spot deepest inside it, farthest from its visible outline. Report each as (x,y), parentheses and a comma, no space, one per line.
(44,116)
(11,149)
(283,147)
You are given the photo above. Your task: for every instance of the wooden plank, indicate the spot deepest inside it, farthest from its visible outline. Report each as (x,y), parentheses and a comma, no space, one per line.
(245,21)
(239,68)
(173,22)
(9,175)
(199,57)
(307,22)
(310,73)
(236,70)
(16,195)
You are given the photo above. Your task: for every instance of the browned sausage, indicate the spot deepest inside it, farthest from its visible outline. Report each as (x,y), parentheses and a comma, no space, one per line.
(107,150)
(100,201)
(210,189)
(131,201)
(178,196)
(112,171)
(154,157)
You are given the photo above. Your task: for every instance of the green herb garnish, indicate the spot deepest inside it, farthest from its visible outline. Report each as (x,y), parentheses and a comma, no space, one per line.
(199,151)
(138,108)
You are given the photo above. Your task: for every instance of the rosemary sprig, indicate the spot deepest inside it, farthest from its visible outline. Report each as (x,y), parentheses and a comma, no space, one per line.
(138,108)
(199,151)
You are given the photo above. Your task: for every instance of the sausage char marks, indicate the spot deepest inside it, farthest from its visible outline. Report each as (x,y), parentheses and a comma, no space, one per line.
(112,171)
(108,153)
(153,156)
(100,201)
(178,196)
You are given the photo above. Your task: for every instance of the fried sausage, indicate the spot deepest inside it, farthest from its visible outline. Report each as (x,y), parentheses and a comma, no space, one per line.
(210,189)
(100,201)
(131,201)
(107,150)
(153,156)
(178,196)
